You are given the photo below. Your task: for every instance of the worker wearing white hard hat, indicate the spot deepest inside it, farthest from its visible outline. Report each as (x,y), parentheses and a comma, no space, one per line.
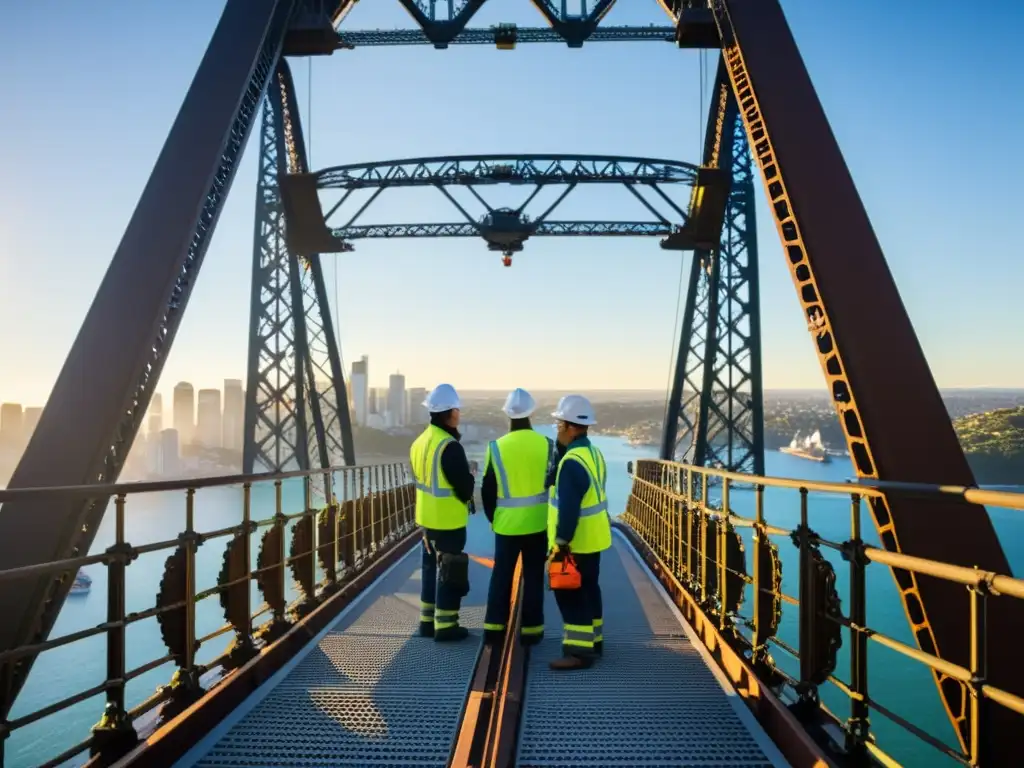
(514,496)
(519,404)
(579,530)
(443,398)
(444,496)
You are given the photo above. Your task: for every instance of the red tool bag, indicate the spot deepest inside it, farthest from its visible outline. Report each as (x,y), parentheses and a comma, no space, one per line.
(564,574)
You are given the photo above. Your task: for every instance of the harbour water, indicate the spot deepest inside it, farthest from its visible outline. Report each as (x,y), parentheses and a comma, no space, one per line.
(897,683)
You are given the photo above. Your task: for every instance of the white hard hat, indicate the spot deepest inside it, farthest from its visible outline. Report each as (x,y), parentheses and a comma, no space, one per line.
(575,409)
(519,404)
(442,398)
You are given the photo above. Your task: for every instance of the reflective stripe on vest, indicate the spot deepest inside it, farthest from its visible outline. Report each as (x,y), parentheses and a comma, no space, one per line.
(523,456)
(437,506)
(593,531)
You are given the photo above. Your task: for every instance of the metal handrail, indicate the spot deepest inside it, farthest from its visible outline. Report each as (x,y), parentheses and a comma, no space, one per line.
(154,486)
(670,506)
(865,487)
(365,511)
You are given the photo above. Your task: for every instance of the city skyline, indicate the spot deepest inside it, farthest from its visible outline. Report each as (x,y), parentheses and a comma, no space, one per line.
(382,291)
(641,390)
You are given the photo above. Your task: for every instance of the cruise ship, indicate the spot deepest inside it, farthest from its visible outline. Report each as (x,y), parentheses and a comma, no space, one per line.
(81,584)
(810,448)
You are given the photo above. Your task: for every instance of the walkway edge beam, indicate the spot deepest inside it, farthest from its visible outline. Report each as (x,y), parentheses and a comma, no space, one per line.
(506,710)
(174,738)
(490,716)
(779,723)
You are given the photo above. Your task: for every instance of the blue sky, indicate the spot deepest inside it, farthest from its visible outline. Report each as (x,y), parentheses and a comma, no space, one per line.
(920,95)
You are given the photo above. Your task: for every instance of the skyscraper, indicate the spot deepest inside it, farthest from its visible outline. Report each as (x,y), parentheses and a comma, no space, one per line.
(418,414)
(360,389)
(167,461)
(29,421)
(208,422)
(234,414)
(184,413)
(156,415)
(396,400)
(11,424)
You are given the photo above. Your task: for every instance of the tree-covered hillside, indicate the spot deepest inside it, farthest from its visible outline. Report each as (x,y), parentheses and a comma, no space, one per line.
(994,444)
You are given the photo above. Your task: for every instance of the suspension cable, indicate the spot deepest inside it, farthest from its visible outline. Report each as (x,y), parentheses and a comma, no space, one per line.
(676,329)
(309,160)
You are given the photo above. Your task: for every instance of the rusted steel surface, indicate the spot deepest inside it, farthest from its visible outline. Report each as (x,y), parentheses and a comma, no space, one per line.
(500,744)
(896,424)
(466,749)
(488,730)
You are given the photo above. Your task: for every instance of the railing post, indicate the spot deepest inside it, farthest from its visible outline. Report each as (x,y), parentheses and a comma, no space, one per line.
(191,543)
(375,508)
(409,517)
(702,538)
(723,567)
(979,669)
(334,515)
(680,518)
(859,724)
(347,524)
(759,538)
(114,734)
(282,557)
(250,529)
(689,528)
(360,516)
(806,603)
(392,498)
(310,520)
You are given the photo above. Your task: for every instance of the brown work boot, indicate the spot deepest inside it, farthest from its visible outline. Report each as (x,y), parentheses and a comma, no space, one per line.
(568,662)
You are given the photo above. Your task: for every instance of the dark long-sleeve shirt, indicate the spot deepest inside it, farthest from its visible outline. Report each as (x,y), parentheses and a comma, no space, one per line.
(573,484)
(455,467)
(489,486)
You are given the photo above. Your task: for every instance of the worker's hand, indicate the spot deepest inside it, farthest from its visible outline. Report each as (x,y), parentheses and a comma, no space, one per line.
(559,552)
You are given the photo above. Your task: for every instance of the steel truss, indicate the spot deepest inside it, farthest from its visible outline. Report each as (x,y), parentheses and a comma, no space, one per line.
(506,229)
(715,411)
(896,424)
(296,408)
(500,34)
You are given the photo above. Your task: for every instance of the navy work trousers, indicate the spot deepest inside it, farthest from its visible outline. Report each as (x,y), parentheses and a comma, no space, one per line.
(445,613)
(507,549)
(581,609)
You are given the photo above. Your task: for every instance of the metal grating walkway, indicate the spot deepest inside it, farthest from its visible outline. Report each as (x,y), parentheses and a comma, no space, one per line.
(369,693)
(651,701)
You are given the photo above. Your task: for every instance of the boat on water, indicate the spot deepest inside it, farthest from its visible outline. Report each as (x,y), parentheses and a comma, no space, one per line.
(810,448)
(81,584)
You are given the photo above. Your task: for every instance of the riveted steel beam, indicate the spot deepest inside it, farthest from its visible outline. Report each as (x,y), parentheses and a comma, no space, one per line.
(102,392)
(896,425)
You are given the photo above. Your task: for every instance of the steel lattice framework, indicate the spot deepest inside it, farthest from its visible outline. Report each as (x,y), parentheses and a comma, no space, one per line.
(506,229)
(895,422)
(296,408)
(715,413)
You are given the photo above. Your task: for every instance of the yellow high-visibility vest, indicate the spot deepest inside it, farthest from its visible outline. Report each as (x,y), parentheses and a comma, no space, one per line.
(594,530)
(520,461)
(437,506)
